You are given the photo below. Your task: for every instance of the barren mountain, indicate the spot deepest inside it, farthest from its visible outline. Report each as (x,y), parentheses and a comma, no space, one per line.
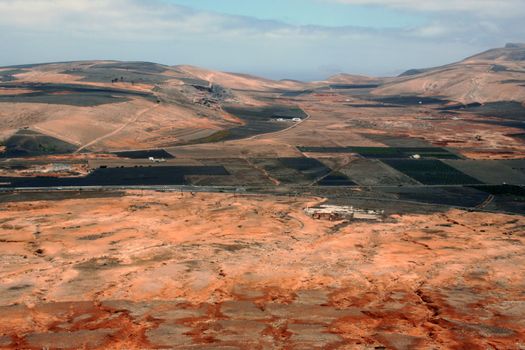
(111,105)
(239,81)
(494,75)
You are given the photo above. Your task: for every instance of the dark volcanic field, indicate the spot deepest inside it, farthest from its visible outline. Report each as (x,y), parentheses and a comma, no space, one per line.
(504,109)
(150,176)
(31,143)
(70,94)
(394,179)
(336,179)
(431,172)
(155,153)
(260,120)
(130,73)
(410,100)
(385,152)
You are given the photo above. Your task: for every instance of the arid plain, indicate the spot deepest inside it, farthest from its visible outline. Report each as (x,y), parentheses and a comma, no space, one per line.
(152,207)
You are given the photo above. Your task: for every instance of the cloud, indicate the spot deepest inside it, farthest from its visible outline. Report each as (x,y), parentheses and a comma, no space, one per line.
(157,20)
(58,30)
(130,18)
(485,8)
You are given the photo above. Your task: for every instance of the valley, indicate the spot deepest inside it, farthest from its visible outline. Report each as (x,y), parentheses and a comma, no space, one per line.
(145,206)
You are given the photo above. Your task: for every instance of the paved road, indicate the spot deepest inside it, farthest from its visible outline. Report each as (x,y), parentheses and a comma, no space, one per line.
(234,188)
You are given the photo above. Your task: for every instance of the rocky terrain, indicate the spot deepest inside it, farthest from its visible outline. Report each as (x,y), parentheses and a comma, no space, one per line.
(494,75)
(143,270)
(145,206)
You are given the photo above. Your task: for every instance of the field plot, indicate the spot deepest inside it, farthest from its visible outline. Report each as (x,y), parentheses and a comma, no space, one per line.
(509,198)
(297,93)
(372,105)
(155,153)
(385,152)
(104,74)
(85,99)
(517,124)
(410,100)
(278,172)
(510,190)
(260,120)
(489,171)
(431,172)
(460,107)
(509,204)
(371,172)
(297,171)
(15,197)
(516,164)
(242,173)
(147,67)
(69,94)
(353,86)
(465,197)
(502,109)
(141,176)
(336,179)
(399,141)
(309,167)
(195,82)
(7,75)
(31,143)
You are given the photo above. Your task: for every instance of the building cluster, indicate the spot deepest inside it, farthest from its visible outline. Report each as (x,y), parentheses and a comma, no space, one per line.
(336,213)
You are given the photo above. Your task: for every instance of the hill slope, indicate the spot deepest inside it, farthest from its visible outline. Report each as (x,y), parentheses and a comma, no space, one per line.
(494,75)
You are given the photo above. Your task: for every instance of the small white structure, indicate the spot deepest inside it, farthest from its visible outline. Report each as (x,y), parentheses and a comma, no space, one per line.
(336,212)
(297,120)
(155,160)
(57,167)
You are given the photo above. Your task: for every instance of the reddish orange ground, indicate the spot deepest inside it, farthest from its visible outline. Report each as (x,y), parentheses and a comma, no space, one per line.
(214,271)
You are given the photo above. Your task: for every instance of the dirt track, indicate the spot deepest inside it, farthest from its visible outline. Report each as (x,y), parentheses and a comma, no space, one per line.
(117,130)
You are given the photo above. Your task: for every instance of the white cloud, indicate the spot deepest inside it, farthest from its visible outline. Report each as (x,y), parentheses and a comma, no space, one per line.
(118,18)
(57,30)
(485,8)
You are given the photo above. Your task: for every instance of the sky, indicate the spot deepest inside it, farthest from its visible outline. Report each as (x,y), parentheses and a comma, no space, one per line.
(278,39)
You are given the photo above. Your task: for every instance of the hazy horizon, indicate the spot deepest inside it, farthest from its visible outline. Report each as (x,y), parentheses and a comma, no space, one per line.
(288,39)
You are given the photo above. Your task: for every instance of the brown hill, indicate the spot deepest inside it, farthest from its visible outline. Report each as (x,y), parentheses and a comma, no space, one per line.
(238,81)
(494,75)
(110,105)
